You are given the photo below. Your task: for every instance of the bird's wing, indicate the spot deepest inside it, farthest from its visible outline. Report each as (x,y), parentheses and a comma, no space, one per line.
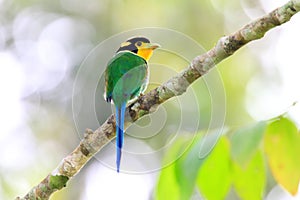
(124,77)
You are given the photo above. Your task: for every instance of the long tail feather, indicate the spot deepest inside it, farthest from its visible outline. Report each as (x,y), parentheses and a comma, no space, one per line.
(120,115)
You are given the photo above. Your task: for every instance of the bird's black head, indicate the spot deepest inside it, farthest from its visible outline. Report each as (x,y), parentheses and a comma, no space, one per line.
(140,46)
(132,44)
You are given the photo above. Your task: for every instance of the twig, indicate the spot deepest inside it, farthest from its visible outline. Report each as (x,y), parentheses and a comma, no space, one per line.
(93,141)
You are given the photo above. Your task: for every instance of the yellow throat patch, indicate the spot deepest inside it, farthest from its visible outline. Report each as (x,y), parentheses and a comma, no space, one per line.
(145,53)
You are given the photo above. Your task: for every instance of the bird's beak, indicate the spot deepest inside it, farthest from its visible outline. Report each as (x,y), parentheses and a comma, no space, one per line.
(151,46)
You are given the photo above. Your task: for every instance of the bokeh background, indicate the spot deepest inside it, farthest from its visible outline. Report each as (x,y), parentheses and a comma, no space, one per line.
(44,43)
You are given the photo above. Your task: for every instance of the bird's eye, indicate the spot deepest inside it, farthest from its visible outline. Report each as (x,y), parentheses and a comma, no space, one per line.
(139,43)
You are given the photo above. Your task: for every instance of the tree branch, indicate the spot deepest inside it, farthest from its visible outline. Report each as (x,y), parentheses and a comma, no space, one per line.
(93,141)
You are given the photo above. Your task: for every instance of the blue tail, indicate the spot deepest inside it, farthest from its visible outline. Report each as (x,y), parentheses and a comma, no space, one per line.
(120,115)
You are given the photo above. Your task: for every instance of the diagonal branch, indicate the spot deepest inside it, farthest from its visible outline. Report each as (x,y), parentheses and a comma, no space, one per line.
(93,141)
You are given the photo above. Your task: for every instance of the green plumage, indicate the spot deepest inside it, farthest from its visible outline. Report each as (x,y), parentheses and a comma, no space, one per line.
(126,76)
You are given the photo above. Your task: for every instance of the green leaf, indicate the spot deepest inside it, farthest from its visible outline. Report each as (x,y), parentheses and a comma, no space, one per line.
(282,146)
(249,181)
(188,167)
(214,174)
(245,142)
(167,186)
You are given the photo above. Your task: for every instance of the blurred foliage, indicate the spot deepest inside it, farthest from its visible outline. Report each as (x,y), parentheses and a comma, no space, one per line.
(274,145)
(282,146)
(211,176)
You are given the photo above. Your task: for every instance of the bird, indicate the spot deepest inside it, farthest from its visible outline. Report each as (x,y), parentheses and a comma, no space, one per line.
(126,78)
